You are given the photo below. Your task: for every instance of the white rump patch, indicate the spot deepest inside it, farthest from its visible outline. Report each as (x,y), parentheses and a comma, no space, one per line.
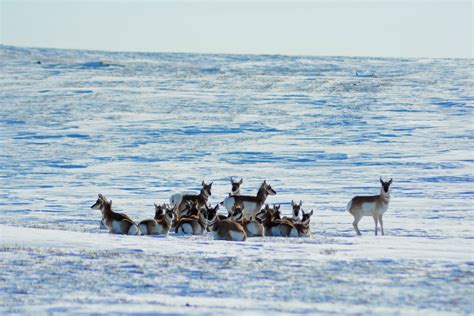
(176,199)
(133,230)
(237,236)
(143,229)
(186,229)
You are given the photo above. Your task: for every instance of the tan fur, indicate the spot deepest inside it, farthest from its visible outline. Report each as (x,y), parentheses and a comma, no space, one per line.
(227,229)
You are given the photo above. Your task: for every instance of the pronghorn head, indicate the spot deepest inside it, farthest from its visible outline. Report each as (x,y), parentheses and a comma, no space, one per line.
(276,211)
(170,214)
(306,217)
(385,185)
(159,210)
(100,203)
(206,188)
(236,186)
(194,210)
(296,209)
(237,212)
(265,187)
(211,212)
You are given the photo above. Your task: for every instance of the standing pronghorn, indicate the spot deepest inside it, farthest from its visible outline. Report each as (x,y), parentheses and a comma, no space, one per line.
(116,223)
(373,205)
(252,204)
(178,200)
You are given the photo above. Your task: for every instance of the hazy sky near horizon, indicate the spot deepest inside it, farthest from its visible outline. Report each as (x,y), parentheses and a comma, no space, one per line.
(343,28)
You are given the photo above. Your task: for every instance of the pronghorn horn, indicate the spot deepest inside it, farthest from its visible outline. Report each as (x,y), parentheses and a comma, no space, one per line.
(110,202)
(381,181)
(231,180)
(390,181)
(292,203)
(241,180)
(301,203)
(203,183)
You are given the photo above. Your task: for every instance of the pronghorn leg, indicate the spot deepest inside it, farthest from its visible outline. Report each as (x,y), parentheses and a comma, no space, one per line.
(381,223)
(356,223)
(376,222)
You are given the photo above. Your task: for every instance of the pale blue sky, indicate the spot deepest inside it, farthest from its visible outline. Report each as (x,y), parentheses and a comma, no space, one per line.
(347,28)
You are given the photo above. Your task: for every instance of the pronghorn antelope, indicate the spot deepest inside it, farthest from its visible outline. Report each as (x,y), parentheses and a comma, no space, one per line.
(252,227)
(160,225)
(194,223)
(225,229)
(373,205)
(252,204)
(117,223)
(296,212)
(302,226)
(178,200)
(235,190)
(274,225)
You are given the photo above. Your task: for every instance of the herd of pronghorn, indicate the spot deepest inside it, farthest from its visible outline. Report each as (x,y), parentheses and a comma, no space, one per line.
(247,215)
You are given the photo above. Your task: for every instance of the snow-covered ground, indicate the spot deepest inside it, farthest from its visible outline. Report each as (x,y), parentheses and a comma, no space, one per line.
(139,126)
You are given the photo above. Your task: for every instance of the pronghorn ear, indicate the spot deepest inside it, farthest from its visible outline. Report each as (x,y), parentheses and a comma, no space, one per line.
(231,181)
(390,182)
(203,183)
(311,213)
(110,202)
(292,203)
(155,205)
(241,180)
(210,184)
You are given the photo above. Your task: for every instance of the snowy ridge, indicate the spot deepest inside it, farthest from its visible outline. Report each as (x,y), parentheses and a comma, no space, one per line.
(139,127)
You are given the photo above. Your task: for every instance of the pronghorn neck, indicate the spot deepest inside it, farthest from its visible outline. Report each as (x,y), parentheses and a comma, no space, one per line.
(168,219)
(262,195)
(203,196)
(211,223)
(106,210)
(236,192)
(385,196)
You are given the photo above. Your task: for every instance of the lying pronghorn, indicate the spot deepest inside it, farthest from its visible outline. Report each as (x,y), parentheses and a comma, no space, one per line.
(302,226)
(178,200)
(235,190)
(252,227)
(117,223)
(161,224)
(274,225)
(296,212)
(252,204)
(194,222)
(225,229)
(374,205)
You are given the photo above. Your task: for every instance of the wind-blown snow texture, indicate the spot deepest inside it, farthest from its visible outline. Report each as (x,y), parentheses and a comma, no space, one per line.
(139,126)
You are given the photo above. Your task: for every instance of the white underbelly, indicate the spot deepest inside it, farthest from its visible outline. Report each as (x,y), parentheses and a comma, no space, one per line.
(116,229)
